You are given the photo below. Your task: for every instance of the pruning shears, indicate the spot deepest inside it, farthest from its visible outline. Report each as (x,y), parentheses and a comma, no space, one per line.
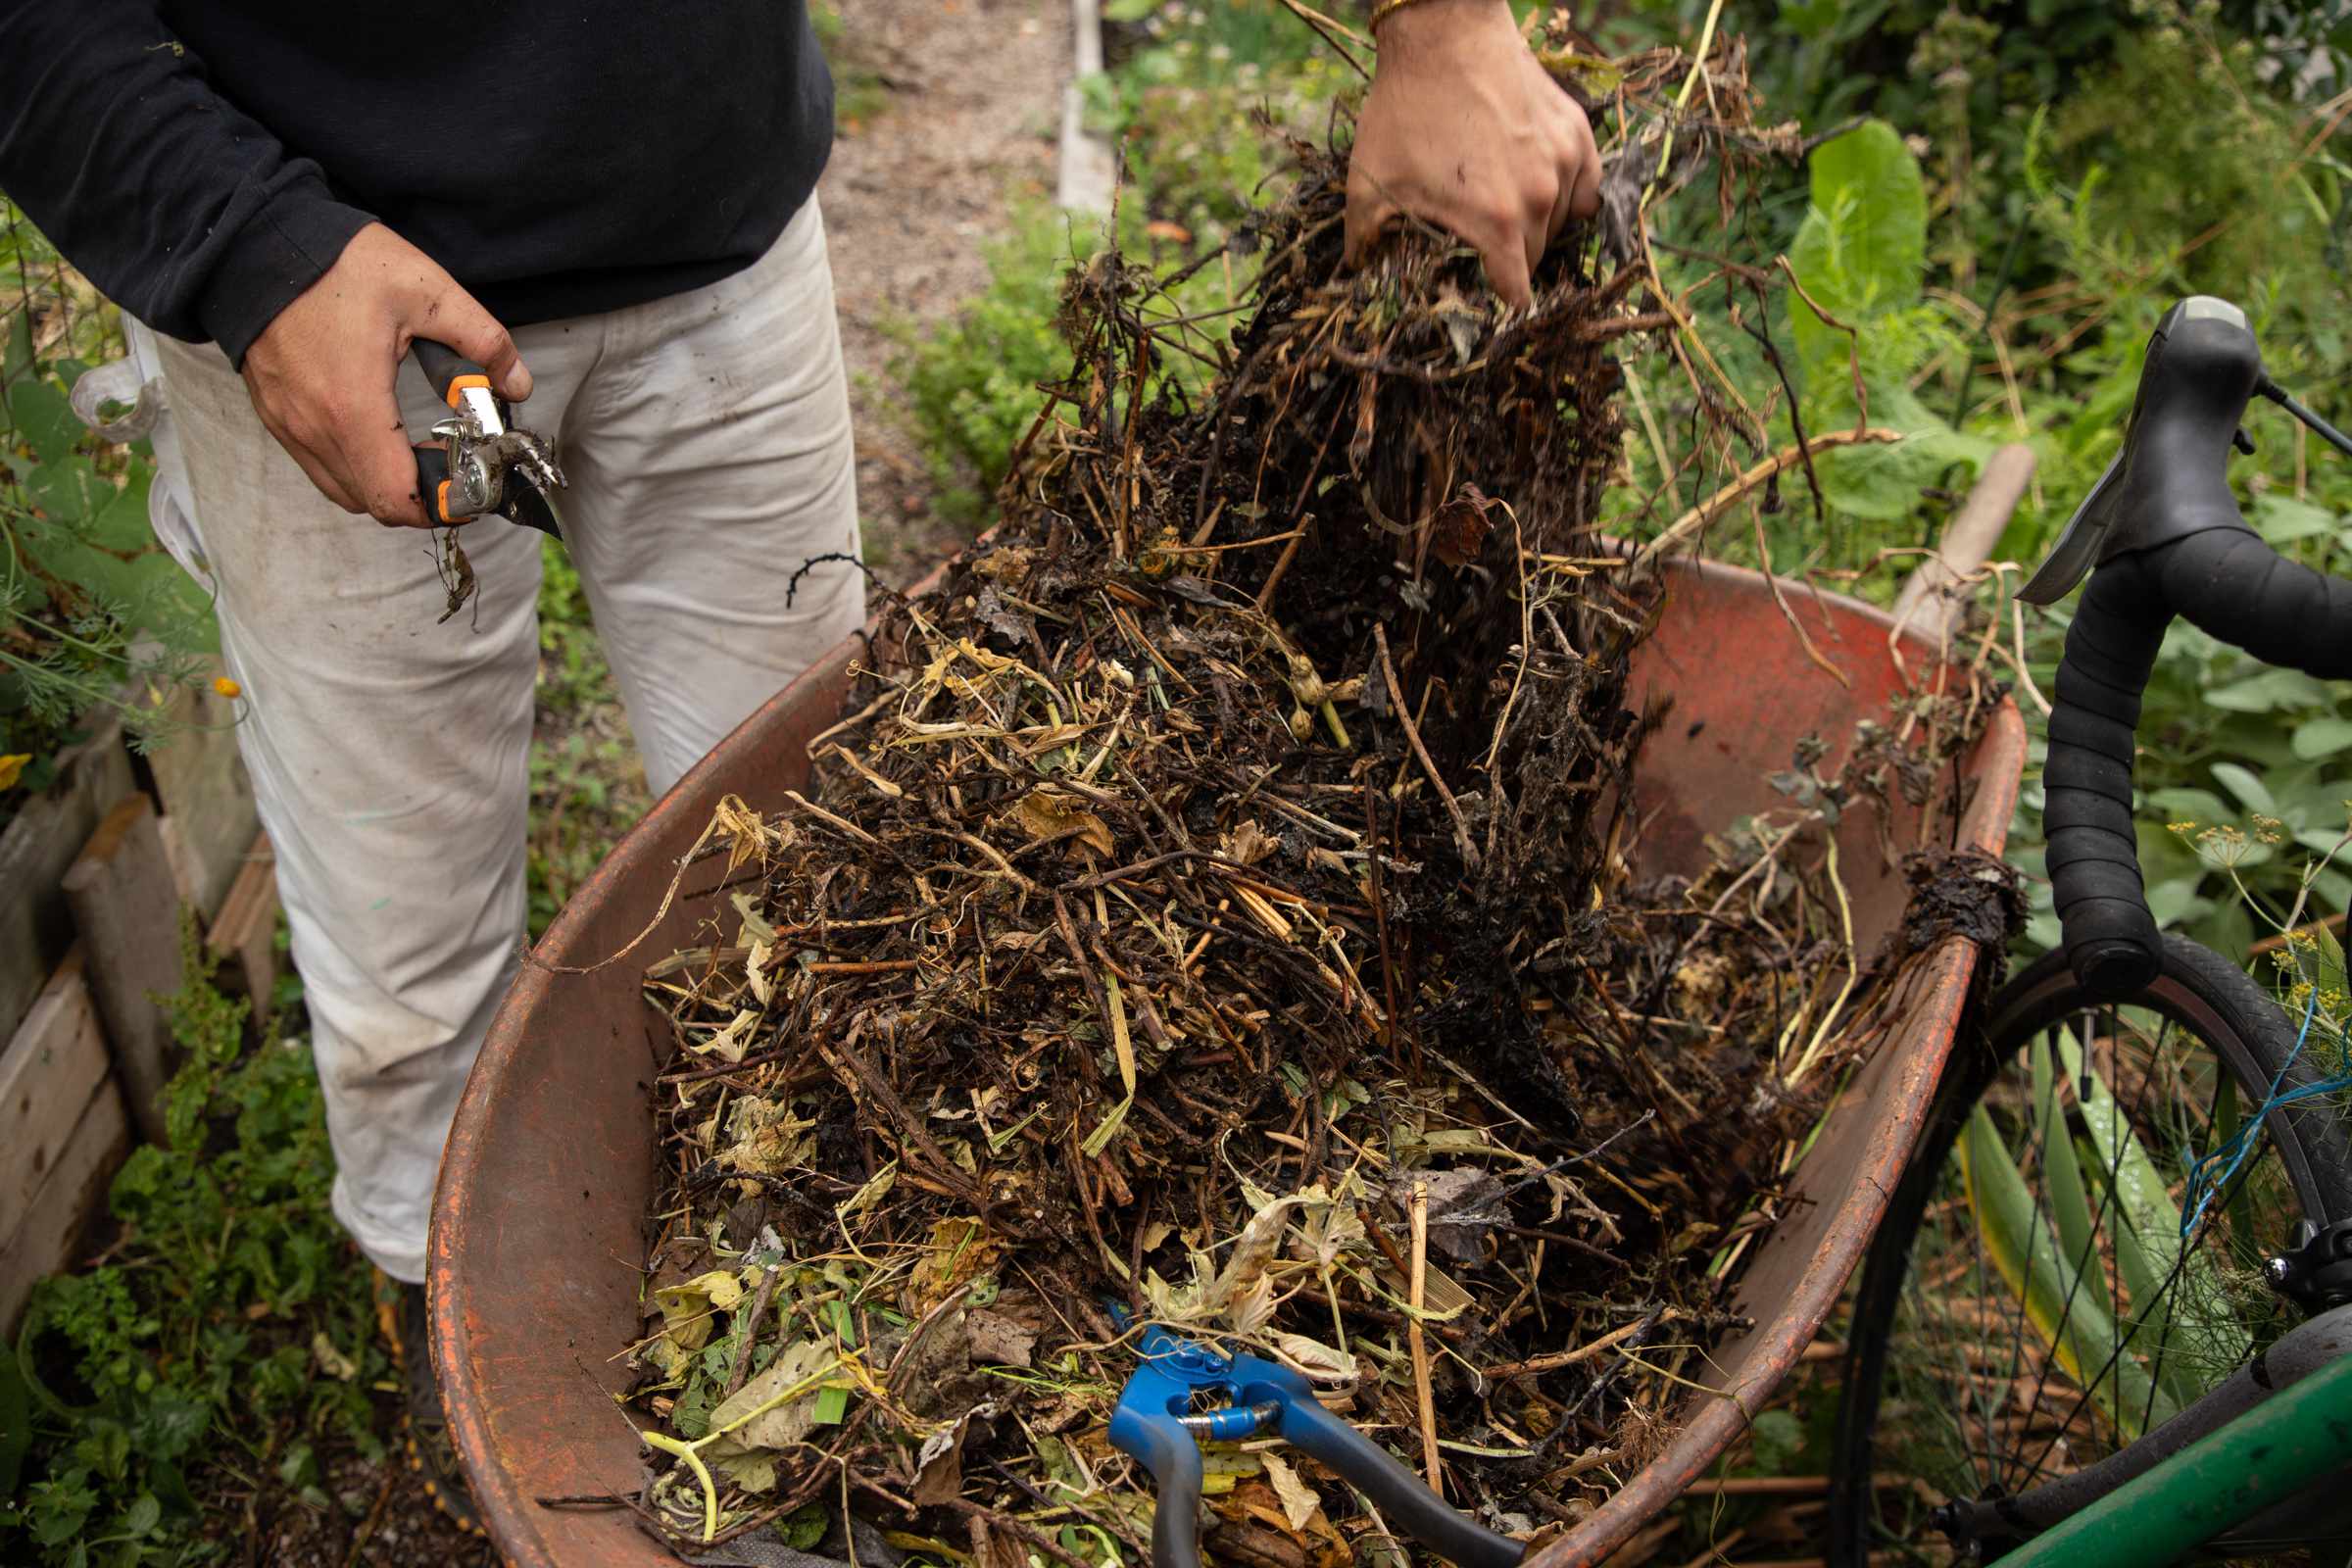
(1186,1394)
(490,466)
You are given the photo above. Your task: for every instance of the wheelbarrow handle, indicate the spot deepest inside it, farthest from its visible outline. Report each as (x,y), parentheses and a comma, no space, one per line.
(1404,1498)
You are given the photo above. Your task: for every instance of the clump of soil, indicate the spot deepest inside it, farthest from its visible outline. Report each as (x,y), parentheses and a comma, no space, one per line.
(1214,908)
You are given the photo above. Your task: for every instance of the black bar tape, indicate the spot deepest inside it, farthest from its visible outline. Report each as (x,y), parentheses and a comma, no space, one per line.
(2228,582)
(2111,939)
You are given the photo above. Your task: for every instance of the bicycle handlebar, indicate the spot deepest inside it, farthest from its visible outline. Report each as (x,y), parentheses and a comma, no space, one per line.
(2166,538)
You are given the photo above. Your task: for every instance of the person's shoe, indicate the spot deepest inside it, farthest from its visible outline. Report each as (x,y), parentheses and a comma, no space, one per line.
(424,1427)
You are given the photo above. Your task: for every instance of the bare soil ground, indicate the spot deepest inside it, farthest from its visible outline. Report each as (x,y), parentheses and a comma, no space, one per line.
(968,104)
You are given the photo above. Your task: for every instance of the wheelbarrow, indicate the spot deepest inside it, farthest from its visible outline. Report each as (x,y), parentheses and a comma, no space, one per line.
(540,1218)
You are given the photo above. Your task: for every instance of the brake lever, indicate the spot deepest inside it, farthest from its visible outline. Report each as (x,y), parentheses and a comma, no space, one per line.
(2202,366)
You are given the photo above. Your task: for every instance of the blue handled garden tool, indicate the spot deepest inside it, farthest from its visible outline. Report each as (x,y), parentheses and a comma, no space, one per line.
(1159,1421)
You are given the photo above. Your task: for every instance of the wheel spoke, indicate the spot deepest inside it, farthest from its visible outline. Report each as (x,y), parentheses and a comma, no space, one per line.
(1983,1386)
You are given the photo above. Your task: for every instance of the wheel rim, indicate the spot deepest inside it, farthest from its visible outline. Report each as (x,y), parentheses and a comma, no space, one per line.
(2034,1338)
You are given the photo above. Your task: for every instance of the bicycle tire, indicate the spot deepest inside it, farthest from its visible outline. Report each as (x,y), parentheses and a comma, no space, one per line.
(2195,988)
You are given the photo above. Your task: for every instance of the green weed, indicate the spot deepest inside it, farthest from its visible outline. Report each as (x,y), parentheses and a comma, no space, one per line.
(229,1331)
(92,614)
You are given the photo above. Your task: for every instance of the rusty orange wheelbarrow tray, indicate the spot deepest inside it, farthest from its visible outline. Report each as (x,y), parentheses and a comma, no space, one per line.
(539,1220)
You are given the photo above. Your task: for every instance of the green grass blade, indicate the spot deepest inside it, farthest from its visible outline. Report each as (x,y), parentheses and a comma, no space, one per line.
(2070,1202)
(2071,1321)
(2147,1223)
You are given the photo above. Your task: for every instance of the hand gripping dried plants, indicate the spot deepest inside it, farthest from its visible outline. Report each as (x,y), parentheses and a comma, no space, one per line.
(1215,912)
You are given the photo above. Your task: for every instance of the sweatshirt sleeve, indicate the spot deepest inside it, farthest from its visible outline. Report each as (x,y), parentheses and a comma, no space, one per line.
(181,207)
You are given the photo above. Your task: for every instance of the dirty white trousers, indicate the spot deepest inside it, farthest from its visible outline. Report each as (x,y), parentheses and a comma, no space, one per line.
(706,441)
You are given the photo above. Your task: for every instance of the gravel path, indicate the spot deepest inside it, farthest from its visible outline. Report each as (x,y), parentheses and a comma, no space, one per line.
(969,98)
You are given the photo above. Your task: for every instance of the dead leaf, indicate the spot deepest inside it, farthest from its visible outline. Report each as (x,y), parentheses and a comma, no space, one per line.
(1248,842)
(939,1467)
(1007,563)
(1463,322)
(876,1188)
(1253,1250)
(754,971)
(1458,532)
(687,1311)
(1002,619)
(753,1469)
(1255,1310)
(1315,1360)
(1042,814)
(1299,1499)
(730,1043)
(960,1249)
(766,1138)
(999,1340)
(755,924)
(331,1361)
(801,1361)
(1328,1230)
(1463,1209)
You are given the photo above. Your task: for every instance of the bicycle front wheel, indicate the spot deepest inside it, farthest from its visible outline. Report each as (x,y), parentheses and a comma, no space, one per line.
(2075,1250)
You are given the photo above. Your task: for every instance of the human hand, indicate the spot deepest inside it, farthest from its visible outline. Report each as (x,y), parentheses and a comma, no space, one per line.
(321,374)
(1463,127)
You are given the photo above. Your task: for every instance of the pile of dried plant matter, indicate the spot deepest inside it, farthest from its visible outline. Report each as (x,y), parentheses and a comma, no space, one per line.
(1217,902)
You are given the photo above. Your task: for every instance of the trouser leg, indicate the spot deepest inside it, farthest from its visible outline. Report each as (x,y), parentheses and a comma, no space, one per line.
(388,753)
(706,440)
(711,459)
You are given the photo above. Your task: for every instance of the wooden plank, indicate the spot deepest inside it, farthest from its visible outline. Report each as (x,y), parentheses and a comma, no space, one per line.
(201,784)
(1935,596)
(122,897)
(36,927)
(181,857)
(46,1241)
(49,1070)
(244,934)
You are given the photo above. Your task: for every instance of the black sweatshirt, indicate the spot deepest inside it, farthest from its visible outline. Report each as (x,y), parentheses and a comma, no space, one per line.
(205,161)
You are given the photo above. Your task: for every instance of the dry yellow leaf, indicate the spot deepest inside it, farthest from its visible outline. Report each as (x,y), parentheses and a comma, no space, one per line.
(1042,814)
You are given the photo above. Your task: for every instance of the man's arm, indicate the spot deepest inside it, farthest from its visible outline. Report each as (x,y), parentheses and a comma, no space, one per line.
(1463,127)
(193,217)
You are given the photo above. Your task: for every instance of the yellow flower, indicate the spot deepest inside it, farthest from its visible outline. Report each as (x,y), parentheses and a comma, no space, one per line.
(227,688)
(2223,846)
(12,768)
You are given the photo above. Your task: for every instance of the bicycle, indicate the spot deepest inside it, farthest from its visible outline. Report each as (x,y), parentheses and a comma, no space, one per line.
(2115,1278)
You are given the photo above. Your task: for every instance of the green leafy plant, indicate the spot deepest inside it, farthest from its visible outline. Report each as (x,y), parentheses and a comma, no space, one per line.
(972,383)
(1860,256)
(94,617)
(229,1333)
